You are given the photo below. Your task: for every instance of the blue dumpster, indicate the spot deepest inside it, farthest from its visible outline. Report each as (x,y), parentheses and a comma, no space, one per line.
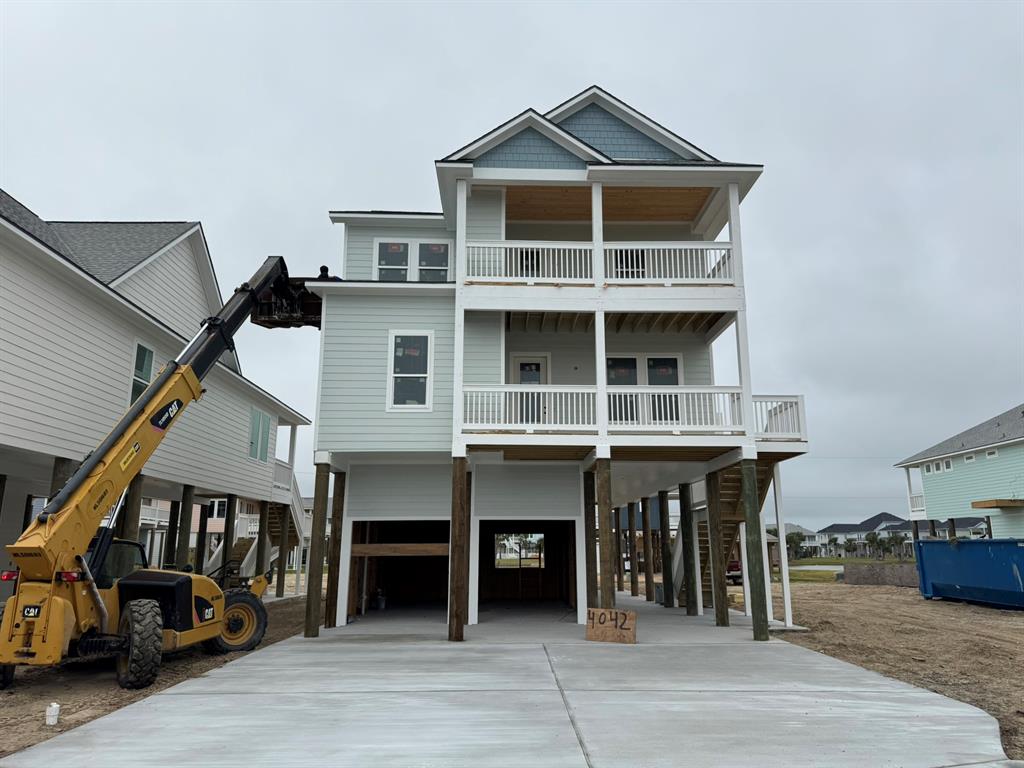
(987,571)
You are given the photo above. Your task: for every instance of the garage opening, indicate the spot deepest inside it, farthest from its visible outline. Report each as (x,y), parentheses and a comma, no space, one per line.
(527,563)
(399,565)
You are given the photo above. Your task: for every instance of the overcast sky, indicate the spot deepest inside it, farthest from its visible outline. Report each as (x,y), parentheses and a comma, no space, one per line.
(883,246)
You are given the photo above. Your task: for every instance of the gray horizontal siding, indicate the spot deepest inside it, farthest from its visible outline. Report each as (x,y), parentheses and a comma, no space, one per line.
(529,149)
(406,490)
(617,139)
(483,214)
(351,412)
(359,246)
(482,348)
(527,491)
(170,289)
(65,380)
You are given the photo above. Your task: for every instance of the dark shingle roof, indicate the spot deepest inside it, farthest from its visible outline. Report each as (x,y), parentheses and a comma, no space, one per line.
(21,217)
(840,528)
(870,524)
(998,429)
(108,249)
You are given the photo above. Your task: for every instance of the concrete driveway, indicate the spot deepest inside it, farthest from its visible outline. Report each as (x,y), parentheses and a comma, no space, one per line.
(527,690)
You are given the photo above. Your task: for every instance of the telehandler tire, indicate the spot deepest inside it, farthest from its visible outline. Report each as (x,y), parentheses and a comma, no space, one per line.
(243,625)
(6,675)
(142,627)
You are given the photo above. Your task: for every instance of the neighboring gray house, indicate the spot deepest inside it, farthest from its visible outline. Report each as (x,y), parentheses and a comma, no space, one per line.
(559,310)
(89,312)
(977,472)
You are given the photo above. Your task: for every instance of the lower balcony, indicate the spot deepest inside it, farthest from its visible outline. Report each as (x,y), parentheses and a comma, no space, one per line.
(682,410)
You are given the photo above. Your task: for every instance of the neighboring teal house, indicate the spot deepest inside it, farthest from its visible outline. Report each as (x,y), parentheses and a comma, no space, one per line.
(978,472)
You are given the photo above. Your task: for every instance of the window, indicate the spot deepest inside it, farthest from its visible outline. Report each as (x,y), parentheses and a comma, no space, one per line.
(991,453)
(402,260)
(519,550)
(410,366)
(927,469)
(969,458)
(937,466)
(259,434)
(142,374)
(947,465)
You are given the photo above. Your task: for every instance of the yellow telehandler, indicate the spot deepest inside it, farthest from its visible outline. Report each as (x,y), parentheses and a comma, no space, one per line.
(78,591)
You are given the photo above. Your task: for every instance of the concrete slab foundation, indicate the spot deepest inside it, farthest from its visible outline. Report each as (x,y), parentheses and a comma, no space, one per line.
(391,691)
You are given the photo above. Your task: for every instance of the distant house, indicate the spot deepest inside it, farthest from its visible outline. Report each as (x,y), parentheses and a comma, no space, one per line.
(855,532)
(977,472)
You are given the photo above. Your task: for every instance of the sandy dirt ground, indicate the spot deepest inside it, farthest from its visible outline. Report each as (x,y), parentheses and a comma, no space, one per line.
(86,690)
(968,652)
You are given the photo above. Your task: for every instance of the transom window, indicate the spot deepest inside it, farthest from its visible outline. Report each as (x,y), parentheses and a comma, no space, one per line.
(259,434)
(410,369)
(400,260)
(142,373)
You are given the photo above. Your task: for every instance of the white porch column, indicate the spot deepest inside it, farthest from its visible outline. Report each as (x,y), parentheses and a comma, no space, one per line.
(742,349)
(780,526)
(910,495)
(743,570)
(767,566)
(597,234)
(601,365)
(293,434)
(696,568)
(458,404)
(474,568)
(345,569)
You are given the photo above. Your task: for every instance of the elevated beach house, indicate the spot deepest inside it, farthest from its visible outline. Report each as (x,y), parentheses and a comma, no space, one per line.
(509,370)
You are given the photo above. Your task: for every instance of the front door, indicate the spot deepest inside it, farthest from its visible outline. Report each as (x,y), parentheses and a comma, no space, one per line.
(529,371)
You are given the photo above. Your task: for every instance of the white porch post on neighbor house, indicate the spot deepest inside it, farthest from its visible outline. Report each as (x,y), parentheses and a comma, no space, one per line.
(767,565)
(601,406)
(597,233)
(742,349)
(780,526)
(910,494)
(743,570)
(293,434)
(697,583)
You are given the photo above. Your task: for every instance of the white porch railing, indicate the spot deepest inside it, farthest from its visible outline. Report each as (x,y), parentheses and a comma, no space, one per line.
(669,263)
(675,409)
(528,408)
(529,262)
(780,417)
(917,503)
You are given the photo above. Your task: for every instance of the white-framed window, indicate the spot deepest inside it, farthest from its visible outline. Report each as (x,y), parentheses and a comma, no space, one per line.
(142,371)
(947,465)
(937,466)
(991,453)
(969,458)
(410,371)
(656,369)
(259,434)
(927,469)
(411,260)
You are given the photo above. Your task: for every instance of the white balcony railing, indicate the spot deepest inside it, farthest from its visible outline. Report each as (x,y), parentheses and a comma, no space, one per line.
(669,263)
(529,262)
(675,409)
(780,417)
(917,503)
(529,408)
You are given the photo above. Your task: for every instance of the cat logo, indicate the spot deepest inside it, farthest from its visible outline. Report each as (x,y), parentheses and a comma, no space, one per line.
(163,417)
(129,457)
(207,614)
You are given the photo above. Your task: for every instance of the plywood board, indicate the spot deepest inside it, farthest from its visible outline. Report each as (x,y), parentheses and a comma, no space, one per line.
(611,625)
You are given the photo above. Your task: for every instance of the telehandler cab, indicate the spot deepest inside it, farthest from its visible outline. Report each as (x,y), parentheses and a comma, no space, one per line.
(81,592)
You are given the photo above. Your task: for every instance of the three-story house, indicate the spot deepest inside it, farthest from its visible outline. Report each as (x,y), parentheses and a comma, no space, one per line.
(541,346)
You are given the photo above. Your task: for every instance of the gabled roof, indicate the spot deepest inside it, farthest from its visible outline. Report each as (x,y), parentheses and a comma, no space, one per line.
(1003,428)
(597,95)
(108,249)
(529,118)
(866,526)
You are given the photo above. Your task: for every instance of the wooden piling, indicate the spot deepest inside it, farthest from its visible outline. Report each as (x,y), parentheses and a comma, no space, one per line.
(315,563)
(131,513)
(458,551)
(181,557)
(590,538)
(204,517)
(645,519)
(262,538)
(62,471)
(915,531)
(619,571)
(228,540)
(667,577)
(931,530)
(951,528)
(755,555)
(686,531)
(334,551)
(603,494)
(716,547)
(171,538)
(284,520)
(634,572)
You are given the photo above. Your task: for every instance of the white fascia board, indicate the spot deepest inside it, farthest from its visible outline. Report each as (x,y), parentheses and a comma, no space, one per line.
(389,219)
(782,446)
(677,175)
(286,414)
(976,449)
(628,115)
(369,287)
(546,298)
(531,176)
(529,119)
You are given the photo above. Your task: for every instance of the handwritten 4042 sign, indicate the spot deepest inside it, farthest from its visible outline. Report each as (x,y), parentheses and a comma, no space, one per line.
(610,625)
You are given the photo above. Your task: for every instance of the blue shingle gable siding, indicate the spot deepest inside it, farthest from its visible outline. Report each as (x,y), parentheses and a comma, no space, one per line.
(602,130)
(528,149)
